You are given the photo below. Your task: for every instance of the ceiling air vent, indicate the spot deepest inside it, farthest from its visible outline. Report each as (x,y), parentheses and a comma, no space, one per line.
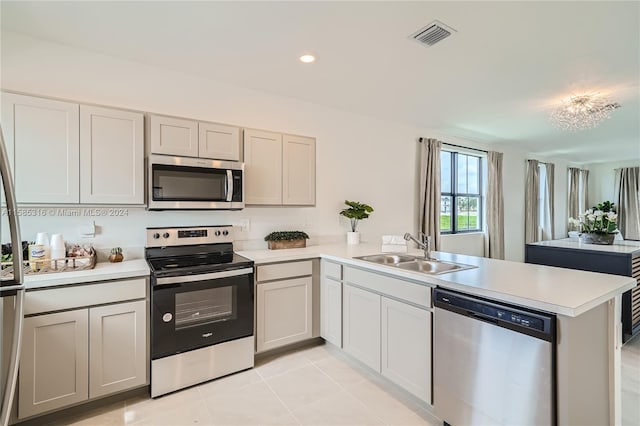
(432,33)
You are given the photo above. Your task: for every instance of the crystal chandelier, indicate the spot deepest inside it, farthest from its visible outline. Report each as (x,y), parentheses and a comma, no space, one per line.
(582,112)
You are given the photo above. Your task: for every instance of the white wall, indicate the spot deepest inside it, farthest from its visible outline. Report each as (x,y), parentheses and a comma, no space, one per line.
(358,158)
(471,244)
(602,180)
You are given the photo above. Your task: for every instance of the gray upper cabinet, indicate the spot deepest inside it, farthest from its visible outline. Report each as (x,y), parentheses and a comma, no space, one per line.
(263,167)
(218,141)
(190,138)
(280,169)
(173,136)
(42,137)
(111,156)
(298,170)
(66,153)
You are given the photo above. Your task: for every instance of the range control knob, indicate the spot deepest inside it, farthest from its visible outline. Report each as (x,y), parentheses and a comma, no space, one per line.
(217,233)
(165,235)
(156,236)
(225,232)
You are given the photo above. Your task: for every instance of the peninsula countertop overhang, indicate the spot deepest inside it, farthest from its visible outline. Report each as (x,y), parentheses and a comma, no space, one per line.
(558,290)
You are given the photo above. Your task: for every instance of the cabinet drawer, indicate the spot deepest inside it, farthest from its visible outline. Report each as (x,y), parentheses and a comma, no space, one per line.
(279,271)
(417,294)
(56,299)
(332,270)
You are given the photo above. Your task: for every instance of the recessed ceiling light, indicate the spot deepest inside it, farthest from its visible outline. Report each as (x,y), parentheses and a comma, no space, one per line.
(307,59)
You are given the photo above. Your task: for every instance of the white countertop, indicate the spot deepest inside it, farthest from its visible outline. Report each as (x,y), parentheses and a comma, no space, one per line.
(102,272)
(562,291)
(622,247)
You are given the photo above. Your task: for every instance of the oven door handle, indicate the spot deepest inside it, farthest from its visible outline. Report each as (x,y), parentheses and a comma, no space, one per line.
(229,185)
(203,277)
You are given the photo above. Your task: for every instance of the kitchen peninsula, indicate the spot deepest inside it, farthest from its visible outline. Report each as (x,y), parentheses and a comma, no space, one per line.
(587,306)
(620,258)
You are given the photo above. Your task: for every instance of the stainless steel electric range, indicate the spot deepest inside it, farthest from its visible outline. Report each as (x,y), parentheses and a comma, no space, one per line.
(201,306)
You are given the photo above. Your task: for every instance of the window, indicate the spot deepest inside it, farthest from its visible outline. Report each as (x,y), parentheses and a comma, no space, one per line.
(460,186)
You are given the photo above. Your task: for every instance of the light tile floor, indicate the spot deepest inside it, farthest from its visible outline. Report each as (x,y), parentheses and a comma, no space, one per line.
(312,386)
(316,385)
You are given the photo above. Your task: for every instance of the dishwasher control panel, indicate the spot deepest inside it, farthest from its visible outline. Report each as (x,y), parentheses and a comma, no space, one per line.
(495,312)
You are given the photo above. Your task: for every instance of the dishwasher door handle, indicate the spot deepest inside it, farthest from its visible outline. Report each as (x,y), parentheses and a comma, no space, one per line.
(482,317)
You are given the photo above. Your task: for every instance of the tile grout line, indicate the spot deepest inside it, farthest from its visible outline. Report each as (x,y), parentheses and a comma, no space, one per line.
(279,399)
(344,389)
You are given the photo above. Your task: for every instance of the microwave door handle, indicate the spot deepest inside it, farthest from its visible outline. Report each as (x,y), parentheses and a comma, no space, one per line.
(229,185)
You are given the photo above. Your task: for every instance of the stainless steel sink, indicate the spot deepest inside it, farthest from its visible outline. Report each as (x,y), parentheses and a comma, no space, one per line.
(413,263)
(388,259)
(433,267)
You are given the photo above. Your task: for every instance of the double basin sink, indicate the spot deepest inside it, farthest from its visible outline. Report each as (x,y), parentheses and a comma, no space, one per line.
(415,263)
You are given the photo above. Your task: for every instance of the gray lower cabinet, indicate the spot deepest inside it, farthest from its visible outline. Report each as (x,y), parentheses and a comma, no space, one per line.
(386,325)
(361,325)
(54,368)
(117,347)
(406,347)
(331,310)
(284,313)
(73,356)
(331,302)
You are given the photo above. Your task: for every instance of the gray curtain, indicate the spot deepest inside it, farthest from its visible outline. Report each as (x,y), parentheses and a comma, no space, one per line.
(584,190)
(532,193)
(430,190)
(628,201)
(574,193)
(548,225)
(494,243)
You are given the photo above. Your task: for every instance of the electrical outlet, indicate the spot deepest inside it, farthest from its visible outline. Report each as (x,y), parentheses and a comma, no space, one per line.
(245,225)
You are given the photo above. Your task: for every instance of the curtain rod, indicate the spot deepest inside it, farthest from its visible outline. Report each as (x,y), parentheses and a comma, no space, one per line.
(458,146)
(540,162)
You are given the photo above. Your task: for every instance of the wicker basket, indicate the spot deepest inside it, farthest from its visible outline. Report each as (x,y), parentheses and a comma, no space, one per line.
(47,266)
(285,244)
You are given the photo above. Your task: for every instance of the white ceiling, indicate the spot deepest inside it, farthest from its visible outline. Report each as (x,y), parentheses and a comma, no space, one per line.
(494,80)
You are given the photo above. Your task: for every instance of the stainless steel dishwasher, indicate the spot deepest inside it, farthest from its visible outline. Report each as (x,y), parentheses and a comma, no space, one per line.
(494,364)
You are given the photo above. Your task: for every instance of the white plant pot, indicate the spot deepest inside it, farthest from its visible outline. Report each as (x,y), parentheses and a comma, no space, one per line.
(353,238)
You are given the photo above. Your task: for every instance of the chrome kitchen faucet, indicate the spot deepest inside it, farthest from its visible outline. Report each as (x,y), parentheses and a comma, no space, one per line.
(425,244)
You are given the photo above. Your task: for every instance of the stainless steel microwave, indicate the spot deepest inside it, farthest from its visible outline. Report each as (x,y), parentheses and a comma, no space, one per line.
(185,183)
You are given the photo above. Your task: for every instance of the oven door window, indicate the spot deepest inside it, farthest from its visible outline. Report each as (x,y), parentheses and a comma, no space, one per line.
(202,307)
(181,183)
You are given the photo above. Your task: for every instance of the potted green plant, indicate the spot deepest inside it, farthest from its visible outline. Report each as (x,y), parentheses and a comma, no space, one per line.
(286,239)
(356,212)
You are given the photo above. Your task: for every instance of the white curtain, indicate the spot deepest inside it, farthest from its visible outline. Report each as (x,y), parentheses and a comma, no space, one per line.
(532,195)
(628,200)
(429,212)
(494,243)
(548,208)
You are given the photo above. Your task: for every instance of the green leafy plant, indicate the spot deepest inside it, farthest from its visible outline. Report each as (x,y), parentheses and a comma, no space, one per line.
(286,235)
(605,206)
(116,250)
(356,212)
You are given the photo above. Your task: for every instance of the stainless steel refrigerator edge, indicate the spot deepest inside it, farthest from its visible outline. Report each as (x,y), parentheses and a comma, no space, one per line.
(11,294)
